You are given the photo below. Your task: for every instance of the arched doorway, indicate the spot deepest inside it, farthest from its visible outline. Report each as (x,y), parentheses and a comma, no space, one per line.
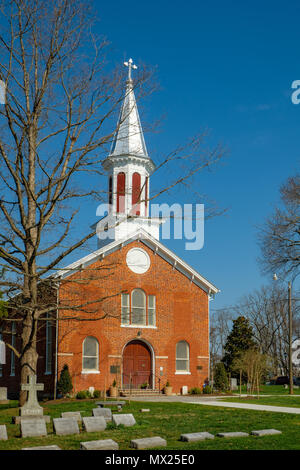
(137,364)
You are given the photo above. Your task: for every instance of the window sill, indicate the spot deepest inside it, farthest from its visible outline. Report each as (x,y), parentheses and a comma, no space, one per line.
(90,371)
(182,373)
(139,326)
(48,373)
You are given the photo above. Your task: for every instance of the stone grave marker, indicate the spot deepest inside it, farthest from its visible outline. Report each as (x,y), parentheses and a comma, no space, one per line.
(65,426)
(145,410)
(32,407)
(105,444)
(196,436)
(125,419)
(3,433)
(94,423)
(3,395)
(72,414)
(148,443)
(232,434)
(33,427)
(266,432)
(53,447)
(105,412)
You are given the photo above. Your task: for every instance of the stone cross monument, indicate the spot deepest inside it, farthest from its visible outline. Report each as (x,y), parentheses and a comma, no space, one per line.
(32,407)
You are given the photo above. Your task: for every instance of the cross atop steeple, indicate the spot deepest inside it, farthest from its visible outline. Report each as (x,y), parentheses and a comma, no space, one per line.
(130,66)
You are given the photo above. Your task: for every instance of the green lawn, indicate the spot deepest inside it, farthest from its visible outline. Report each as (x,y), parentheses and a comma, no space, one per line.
(167,420)
(286,400)
(270,390)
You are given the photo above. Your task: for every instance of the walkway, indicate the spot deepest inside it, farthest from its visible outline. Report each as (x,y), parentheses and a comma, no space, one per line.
(213,401)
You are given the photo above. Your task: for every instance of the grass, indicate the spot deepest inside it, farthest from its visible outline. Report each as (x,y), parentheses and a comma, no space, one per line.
(286,400)
(167,420)
(270,390)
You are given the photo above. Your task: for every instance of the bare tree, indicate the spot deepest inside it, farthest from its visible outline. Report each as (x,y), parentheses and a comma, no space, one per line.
(56,129)
(267,312)
(279,238)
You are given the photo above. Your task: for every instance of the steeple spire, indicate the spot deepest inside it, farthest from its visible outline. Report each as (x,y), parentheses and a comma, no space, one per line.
(129,168)
(129,138)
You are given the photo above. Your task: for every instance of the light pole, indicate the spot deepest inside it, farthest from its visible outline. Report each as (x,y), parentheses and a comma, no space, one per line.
(290,317)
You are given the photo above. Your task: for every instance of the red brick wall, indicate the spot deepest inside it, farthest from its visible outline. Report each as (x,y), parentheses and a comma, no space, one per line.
(181,314)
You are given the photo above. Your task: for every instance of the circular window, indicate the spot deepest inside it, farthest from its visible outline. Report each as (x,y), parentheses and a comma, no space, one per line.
(138,260)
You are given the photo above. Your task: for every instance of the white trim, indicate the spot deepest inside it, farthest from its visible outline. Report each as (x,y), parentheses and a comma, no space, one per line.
(182,373)
(86,371)
(162,357)
(149,327)
(202,357)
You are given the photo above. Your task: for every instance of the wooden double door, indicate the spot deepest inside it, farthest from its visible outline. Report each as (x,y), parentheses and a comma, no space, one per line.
(137,365)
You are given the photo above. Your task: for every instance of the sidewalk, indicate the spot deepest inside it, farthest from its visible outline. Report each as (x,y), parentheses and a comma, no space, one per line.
(212,401)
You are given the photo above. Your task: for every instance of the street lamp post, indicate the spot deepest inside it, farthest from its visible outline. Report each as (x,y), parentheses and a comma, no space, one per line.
(290,318)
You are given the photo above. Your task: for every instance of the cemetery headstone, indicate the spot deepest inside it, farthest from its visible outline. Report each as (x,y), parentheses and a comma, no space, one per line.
(145,410)
(72,414)
(33,427)
(266,432)
(232,434)
(196,436)
(148,442)
(53,447)
(65,426)
(94,423)
(3,433)
(105,412)
(125,419)
(3,395)
(105,444)
(32,407)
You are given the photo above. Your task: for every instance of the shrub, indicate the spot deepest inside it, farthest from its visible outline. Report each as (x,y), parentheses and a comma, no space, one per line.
(82,394)
(207,389)
(220,378)
(64,385)
(97,394)
(195,391)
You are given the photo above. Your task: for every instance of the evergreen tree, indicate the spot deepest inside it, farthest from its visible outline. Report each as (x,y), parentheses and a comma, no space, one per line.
(220,377)
(238,341)
(64,385)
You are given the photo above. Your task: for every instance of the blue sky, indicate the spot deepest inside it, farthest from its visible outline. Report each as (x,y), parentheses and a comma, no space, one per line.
(227,66)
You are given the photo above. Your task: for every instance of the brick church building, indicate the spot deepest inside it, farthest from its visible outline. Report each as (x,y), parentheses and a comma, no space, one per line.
(150,320)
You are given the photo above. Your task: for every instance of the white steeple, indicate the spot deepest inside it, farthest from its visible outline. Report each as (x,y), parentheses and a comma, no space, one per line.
(129,168)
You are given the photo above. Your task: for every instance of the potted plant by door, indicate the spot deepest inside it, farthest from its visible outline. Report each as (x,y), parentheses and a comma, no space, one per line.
(113,390)
(168,389)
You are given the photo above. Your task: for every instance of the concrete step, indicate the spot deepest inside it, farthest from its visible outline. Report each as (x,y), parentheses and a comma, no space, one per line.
(138,392)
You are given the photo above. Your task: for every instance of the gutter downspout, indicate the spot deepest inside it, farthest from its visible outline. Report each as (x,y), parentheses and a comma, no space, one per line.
(56,345)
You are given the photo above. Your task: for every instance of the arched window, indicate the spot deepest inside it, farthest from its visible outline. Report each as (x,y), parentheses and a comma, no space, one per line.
(138,307)
(90,354)
(121,192)
(182,357)
(136,193)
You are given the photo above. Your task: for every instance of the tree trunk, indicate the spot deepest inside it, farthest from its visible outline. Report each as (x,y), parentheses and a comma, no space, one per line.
(30,356)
